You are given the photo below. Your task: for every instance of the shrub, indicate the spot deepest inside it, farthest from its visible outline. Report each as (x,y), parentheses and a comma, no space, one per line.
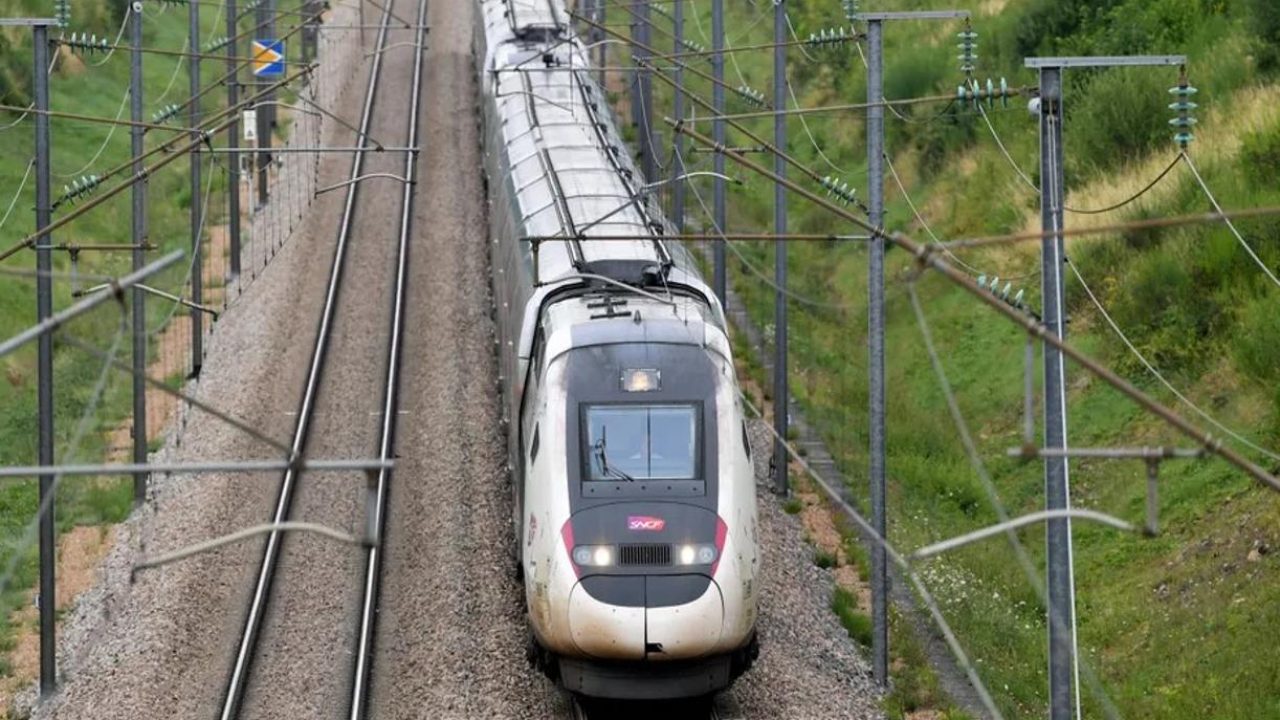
(1260,156)
(1264,20)
(1257,341)
(1120,116)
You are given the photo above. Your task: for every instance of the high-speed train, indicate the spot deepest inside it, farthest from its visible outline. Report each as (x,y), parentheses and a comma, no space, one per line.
(635,509)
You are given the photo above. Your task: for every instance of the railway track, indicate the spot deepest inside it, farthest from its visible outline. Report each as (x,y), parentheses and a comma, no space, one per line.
(362,227)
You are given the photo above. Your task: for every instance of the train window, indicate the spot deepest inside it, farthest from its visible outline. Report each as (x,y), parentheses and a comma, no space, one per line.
(533,446)
(746,439)
(641,442)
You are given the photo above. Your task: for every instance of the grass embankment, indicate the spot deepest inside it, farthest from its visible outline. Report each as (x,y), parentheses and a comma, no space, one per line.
(1183,625)
(91,85)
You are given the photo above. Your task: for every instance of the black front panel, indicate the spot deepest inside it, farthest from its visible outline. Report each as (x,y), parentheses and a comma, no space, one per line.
(689,377)
(646,521)
(646,538)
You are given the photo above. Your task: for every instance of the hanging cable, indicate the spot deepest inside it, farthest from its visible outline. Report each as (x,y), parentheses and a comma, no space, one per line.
(14,201)
(1232,226)
(1106,316)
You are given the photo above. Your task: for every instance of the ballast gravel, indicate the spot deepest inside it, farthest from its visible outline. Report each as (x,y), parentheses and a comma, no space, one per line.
(451,633)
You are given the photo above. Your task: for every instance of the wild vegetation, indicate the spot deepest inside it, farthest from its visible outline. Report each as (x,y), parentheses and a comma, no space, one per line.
(1181,625)
(95,84)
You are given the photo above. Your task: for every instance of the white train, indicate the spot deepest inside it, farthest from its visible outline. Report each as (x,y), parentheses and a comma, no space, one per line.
(635,510)
(634,497)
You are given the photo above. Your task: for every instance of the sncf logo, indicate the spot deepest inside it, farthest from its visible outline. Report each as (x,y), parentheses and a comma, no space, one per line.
(645,522)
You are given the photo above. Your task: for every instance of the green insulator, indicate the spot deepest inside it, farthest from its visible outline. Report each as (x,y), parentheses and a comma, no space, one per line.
(62,12)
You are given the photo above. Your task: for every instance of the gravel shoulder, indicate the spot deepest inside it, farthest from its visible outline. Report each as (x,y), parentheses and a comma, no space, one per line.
(451,634)
(808,665)
(304,660)
(451,627)
(159,646)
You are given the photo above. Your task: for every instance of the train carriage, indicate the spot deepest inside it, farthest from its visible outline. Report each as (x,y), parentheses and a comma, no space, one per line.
(634,512)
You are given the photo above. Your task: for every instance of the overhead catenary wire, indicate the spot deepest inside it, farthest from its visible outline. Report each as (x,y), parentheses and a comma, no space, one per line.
(926,258)
(799,43)
(14,200)
(1031,185)
(1230,225)
(906,196)
(172,154)
(761,275)
(922,591)
(812,140)
(30,533)
(111,131)
(124,23)
(1146,363)
(988,485)
(176,305)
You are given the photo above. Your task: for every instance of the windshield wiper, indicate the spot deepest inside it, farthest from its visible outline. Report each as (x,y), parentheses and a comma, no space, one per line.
(603,458)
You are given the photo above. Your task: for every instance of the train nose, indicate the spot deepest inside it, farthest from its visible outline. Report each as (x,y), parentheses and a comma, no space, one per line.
(636,617)
(683,615)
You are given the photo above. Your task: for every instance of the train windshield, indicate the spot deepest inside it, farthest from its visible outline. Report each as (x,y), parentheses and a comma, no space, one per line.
(641,442)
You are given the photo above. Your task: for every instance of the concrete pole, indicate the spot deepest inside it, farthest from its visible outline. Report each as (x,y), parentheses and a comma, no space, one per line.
(139,236)
(875,347)
(780,392)
(719,199)
(193,120)
(233,139)
(44,389)
(677,167)
(1057,532)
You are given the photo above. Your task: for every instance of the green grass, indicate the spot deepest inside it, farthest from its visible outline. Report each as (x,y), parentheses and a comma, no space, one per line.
(82,88)
(824,559)
(1182,625)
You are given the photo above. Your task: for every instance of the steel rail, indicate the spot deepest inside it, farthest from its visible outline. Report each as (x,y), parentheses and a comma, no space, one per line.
(379,489)
(237,681)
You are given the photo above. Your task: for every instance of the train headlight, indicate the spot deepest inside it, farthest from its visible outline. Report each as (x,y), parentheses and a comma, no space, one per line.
(641,380)
(593,555)
(696,554)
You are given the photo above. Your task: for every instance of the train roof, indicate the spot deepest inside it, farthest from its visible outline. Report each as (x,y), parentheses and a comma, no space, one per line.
(571,173)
